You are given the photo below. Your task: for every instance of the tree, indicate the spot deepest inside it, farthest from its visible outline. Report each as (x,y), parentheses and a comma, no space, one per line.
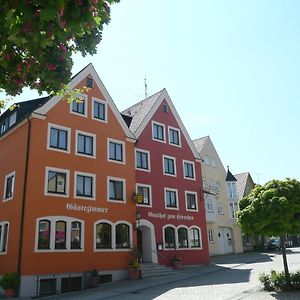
(272,210)
(37,39)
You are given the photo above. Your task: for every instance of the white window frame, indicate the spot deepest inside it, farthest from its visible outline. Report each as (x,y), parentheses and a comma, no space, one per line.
(176,238)
(150,193)
(5,186)
(93,136)
(105,109)
(210,234)
(53,220)
(179,136)
(148,159)
(193,164)
(165,198)
(3,223)
(124,190)
(163,162)
(67,172)
(123,162)
(231,190)
(85,98)
(232,212)
(220,209)
(93,185)
(207,160)
(164,131)
(196,200)
(209,200)
(59,127)
(200,237)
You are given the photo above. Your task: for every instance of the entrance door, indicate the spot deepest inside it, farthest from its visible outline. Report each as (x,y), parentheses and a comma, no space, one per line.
(226,241)
(144,243)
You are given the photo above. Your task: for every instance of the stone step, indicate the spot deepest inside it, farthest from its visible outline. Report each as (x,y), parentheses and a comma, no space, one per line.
(153,270)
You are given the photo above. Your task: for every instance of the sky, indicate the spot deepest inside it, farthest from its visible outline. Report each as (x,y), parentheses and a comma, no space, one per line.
(231,68)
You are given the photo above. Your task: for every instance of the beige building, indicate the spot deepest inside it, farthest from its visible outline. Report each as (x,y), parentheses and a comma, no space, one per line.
(221,201)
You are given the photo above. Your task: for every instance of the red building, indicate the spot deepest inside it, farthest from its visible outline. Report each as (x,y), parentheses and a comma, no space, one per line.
(170,209)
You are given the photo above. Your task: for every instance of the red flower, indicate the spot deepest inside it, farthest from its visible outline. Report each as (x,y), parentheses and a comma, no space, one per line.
(51,67)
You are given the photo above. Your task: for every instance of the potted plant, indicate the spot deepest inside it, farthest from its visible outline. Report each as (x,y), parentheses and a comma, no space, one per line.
(177,262)
(134,269)
(10,282)
(95,278)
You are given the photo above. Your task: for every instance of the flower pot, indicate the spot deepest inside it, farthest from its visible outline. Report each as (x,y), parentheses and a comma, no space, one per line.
(177,264)
(9,293)
(134,274)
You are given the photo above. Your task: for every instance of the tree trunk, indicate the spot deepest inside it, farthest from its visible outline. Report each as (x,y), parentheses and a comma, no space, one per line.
(284,258)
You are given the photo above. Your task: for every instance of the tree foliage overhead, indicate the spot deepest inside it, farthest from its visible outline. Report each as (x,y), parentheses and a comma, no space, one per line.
(38,37)
(272,209)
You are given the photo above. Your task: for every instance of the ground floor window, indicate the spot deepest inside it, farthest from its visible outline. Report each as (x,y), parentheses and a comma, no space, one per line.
(183,238)
(3,237)
(103,236)
(210,236)
(169,237)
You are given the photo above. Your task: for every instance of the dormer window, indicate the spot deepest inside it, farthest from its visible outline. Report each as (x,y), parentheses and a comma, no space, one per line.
(89,82)
(231,189)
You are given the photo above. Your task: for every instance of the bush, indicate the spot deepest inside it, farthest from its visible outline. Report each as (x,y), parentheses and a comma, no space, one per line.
(276,281)
(9,281)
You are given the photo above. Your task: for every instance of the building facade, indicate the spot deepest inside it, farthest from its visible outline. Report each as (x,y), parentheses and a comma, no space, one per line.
(220,197)
(68,181)
(170,207)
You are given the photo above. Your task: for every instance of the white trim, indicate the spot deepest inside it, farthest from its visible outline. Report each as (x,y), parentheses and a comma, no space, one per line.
(53,220)
(93,176)
(196,199)
(67,172)
(89,71)
(110,140)
(105,110)
(148,159)
(5,186)
(93,136)
(164,131)
(163,236)
(193,165)
(177,237)
(150,193)
(200,237)
(165,198)
(124,189)
(59,127)
(163,162)
(84,97)
(179,136)
(3,223)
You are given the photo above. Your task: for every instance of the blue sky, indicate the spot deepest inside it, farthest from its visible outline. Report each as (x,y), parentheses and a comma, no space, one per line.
(231,69)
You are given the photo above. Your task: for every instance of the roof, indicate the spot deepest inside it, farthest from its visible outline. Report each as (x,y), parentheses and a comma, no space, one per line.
(139,111)
(241,184)
(229,176)
(200,142)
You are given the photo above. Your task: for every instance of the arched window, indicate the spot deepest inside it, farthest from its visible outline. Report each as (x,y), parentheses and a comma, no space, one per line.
(75,235)
(60,235)
(183,238)
(195,238)
(122,236)
(44,234)
(103,236)
(169,237)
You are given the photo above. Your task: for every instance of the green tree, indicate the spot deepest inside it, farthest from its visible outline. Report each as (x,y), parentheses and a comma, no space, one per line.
(273,210)
(37,39)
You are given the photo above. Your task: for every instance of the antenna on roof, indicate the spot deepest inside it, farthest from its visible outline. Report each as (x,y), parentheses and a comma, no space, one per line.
(146,88)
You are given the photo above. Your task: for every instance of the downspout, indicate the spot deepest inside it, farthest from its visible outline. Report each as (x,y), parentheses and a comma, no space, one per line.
(24,198)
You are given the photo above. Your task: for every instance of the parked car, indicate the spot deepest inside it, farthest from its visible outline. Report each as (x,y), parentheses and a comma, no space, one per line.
(273,244)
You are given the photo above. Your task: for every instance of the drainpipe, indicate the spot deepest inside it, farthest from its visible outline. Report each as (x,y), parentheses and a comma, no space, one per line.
(24,199)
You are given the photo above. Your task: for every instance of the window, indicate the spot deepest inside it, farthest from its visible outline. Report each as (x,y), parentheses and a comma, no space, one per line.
(206,160)
(174,136)
(3,237)
(183,238)
(231,188)
(191,201)
(169,237)
(99,110)
(142,160)
(195,238)
(188,169)
(209,204)
(57,182)
(122,236)
(210,236)
(116,189)
(220,209)
(165,108)
(89,82)
(158,132)
(233,206)
(171,198)
(116,151)
(9,184)
(84,185)
(103,236)
(8,122)
(144,191)
(59,234)
(58,138)
(213,162)
(169,165)
(85,144)
(79,106)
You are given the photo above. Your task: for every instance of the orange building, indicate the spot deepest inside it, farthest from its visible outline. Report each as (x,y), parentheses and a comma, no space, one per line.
(67,179)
